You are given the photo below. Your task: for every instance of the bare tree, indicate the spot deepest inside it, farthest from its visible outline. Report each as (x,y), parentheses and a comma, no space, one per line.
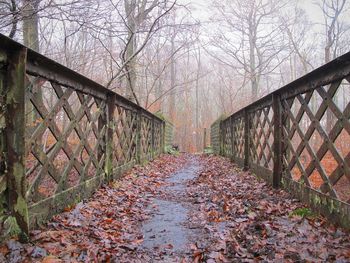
(9,14)
(332,10)
(137,13)
(297,27)
(248,37)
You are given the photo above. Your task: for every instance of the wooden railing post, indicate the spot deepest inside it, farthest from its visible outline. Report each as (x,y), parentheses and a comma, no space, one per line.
(138,136)
(15,139)
(102,147)
(152,139)
(111,100)
(246,140)
(221,138)
(163,137)
(231,128)
(277,141)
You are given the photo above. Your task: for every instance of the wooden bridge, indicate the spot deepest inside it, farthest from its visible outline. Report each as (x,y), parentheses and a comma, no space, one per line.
(62,135)
(298,138)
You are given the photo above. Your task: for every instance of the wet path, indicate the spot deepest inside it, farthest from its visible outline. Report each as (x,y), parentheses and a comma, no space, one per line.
(167,226)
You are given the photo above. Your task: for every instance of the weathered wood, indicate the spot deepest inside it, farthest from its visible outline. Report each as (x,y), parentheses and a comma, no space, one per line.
(336,211)
(153,148)
(246,140)
(163,138)
(294,126)
(109,140)
(93,132)
(3,159)
(215,139)
(138,138)
(15,137)
(277,141)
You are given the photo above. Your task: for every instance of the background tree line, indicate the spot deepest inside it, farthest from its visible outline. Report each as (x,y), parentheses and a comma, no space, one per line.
(191,60)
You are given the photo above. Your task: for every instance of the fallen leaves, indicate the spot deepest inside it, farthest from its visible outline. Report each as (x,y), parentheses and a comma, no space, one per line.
(237,218)
(257,222)
(103,228)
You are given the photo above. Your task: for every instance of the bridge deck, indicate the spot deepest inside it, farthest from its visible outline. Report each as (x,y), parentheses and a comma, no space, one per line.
(218,213)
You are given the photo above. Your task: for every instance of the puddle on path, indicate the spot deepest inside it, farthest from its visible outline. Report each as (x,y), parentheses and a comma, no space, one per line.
(167,225)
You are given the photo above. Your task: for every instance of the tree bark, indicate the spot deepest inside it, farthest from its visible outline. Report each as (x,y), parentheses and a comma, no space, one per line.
(30,24)
(31,40)
(172,110)
(130,6)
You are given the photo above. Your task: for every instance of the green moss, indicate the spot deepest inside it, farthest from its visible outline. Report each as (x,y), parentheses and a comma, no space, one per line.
(161,116)
(332,206)
(302,212)
(21,206)
(171,150)
(18,171)
(208,150)
(316,200)
(10,227)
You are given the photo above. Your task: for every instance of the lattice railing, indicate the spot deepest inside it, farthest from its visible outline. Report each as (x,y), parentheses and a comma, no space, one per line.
(227,137)
(261,134)
(158,137)
(215,136)
(238,138)
(316,132)
(146,137)
(124,136)
(64,142)
(62,135)
(168,133)
(299,137)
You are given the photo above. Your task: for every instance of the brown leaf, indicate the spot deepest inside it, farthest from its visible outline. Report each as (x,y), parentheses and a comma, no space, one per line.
(51,259)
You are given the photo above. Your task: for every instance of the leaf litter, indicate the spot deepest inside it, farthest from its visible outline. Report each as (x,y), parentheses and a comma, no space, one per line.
(249,221)
(233,217)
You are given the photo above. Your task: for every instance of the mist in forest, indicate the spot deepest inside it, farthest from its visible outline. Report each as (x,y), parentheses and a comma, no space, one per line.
(192,61)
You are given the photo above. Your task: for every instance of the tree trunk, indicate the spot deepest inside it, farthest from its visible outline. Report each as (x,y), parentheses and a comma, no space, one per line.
(252,63)
(198,131)
(172,110)
(30,24)
(31,40)
(130,7)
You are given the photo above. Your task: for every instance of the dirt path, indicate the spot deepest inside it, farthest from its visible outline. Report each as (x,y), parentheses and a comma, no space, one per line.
(185,209)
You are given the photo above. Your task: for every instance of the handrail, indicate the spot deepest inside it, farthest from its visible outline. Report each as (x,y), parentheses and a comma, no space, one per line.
(298,138)
(64,135)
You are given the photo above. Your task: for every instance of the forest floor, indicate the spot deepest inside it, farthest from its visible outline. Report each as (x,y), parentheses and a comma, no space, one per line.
(186,208)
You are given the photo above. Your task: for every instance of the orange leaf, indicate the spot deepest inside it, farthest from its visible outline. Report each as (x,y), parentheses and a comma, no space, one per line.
(51,259)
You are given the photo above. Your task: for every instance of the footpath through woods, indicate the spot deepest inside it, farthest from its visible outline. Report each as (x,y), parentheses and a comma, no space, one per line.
(186,208)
